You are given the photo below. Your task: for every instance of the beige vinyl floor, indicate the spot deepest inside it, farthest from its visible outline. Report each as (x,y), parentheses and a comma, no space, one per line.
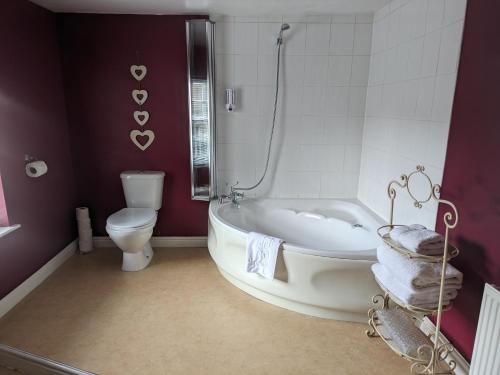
(180,316)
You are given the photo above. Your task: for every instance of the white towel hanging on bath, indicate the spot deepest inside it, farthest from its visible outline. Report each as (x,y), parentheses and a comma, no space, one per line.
(262,253)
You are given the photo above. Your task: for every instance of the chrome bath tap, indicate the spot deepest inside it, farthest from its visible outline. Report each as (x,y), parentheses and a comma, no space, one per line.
(234,196)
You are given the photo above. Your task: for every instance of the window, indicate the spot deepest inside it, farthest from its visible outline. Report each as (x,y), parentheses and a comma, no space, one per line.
(4,219)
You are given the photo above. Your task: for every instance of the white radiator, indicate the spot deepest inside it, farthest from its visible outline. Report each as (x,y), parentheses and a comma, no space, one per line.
(486,355)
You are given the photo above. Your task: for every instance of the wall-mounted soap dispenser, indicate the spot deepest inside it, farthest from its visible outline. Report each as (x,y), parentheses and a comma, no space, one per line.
(230,100)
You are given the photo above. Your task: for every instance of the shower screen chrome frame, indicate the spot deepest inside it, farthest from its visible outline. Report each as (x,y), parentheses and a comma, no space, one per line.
(202,139)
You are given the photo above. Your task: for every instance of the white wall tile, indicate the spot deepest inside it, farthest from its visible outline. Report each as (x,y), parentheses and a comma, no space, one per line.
(379,35)
(246,19)
(245,38)
(292,100)
(435,14)
(415,57)
(224,70)
(335,130)
(294,70)
(247,100)
(234,156)
(224,37)
(451,41)
(409,99)
(295,39)
(266,70)
(337,100)
(339,70)
(352,158)
(360,69)
(318,39)
(418,13)
(332,185)
(313,100)
(347,18)
(304,130)
(236,128)
(443,97)
(430,57)
(454,10)
(436,147)
(394,35)
(357,99)
(425,98)
(319,19)
(316,69)
(265,100)
(299,184)
(354,131)
(334,156)
(245,69)
(362,39)
(342,39)
(267,36)
(319,124)
(271,18)
(364,18)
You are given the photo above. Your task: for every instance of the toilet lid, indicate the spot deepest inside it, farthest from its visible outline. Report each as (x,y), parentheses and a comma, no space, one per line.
(132,217)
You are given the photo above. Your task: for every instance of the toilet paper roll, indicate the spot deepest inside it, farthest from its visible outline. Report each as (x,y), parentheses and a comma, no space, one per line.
(82,213)
(84,229)
(36,168)
(85,233)
(85,246)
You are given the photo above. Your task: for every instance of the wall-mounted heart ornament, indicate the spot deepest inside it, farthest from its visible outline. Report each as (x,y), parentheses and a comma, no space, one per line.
(141,117)
(148,134)
(138,71)
(140,96)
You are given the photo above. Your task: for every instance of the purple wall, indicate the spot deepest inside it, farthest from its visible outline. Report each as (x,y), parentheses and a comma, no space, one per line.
(97,51)
(32,121)
(471,176)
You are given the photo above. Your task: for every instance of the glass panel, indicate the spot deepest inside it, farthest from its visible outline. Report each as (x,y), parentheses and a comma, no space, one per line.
(200,71)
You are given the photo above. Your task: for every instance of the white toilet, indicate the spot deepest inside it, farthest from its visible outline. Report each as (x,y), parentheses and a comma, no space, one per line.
(131,228)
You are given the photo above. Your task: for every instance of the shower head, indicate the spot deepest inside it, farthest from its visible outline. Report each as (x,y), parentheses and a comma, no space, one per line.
(284,27)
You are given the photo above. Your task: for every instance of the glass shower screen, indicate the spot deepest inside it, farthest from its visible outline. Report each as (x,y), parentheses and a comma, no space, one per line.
(200,54)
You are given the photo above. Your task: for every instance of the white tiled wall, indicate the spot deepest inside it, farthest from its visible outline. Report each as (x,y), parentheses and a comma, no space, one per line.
(317,142)
(414,59)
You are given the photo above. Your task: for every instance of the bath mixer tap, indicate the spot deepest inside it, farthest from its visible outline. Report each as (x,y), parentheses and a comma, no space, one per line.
(234,196)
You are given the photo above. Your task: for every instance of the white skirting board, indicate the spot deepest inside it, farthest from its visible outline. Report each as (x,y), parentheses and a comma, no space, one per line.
(14,297)
(463,366)
(199,241)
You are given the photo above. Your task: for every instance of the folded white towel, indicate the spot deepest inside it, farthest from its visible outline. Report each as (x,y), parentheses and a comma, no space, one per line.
(422,241)
(427,298)
(402,330)
(262,253)
(415,273)
(399,230)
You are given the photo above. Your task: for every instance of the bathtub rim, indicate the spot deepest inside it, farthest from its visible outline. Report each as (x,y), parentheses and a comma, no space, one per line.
(363,255)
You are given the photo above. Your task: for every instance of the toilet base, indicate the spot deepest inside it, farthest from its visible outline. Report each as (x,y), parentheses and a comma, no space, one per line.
(137,261)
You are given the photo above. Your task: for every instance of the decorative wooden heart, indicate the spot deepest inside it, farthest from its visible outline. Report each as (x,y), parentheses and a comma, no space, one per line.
(140,96)
(138,71)
(141,117)
(135,134)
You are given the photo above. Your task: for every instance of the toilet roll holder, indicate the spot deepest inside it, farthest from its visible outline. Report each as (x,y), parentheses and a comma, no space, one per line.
(28,159)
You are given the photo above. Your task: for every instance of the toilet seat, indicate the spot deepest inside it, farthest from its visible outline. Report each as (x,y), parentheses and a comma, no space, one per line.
(132,219)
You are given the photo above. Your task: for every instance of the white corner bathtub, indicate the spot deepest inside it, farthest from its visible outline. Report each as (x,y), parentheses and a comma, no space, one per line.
(324,267)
